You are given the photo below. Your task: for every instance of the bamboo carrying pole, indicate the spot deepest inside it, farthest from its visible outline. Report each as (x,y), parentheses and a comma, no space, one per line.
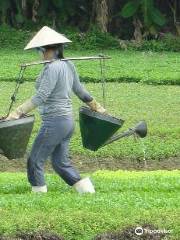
(100,57)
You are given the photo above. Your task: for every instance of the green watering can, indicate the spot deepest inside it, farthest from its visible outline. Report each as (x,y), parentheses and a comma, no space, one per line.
(14,136)
(97,130)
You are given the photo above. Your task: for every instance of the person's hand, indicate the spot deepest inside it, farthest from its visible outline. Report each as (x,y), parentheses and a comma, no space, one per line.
(13,115)
(95,106)
(102,110)
(21,110)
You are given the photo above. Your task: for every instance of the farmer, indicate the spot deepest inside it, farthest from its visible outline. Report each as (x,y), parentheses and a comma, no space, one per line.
(53,98)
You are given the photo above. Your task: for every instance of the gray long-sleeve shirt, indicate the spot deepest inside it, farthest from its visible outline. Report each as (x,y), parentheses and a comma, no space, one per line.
(54,87)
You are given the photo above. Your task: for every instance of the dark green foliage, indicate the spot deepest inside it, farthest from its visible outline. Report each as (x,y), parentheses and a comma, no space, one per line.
(12,38)
(93,39)
(146,11)
(168,43)
(81,14)
(157,17)
(171,43)
(130,8)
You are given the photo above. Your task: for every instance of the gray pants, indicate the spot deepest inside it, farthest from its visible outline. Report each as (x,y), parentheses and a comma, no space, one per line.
(52,140)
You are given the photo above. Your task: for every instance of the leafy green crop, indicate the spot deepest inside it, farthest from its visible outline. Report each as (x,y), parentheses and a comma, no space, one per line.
(122,199)
(125,66)
(158,105)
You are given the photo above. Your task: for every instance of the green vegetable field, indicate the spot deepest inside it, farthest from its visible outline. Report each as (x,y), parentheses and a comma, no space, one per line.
(157,104)
(140,85)
(125,66)
(122,199)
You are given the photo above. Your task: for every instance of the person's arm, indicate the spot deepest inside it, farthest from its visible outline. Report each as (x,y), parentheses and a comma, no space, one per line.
(78,88)
(26,107)
(48,82)
(84,95)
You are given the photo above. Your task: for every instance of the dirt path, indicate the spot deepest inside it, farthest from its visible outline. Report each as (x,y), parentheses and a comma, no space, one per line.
(84,164)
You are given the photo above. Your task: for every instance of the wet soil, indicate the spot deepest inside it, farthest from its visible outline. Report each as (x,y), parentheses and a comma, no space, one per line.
(86,164)
(146,232)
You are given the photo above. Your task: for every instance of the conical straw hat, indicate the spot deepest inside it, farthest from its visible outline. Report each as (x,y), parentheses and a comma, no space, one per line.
(46,36)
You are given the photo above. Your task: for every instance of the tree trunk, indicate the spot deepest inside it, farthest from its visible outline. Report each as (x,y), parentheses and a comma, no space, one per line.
(34,10)
(137,30)
(111,5)
(100,14)
(24,7)
(174,9)
(177,25)
(5,6)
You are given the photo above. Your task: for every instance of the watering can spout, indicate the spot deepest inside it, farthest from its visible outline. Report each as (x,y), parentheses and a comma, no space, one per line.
(139,130)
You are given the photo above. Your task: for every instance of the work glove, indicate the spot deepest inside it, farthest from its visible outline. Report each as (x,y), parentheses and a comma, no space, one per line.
(95,106)
(21,110)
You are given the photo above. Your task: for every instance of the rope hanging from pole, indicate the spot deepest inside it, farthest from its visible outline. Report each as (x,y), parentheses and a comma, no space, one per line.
(103,81)
(18,83)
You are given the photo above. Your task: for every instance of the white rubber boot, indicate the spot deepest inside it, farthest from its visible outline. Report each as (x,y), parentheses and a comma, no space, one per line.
(39,189)
(84,186)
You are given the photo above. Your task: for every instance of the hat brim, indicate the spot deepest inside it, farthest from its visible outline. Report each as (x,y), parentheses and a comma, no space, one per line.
(46,37)
(43,45)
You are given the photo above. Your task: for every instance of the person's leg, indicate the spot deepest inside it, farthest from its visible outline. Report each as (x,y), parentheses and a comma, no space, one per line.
(42,148)
(63,166)
(62,163)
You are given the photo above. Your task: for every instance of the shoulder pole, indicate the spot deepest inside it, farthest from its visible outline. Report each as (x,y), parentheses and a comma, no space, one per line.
(100,57)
